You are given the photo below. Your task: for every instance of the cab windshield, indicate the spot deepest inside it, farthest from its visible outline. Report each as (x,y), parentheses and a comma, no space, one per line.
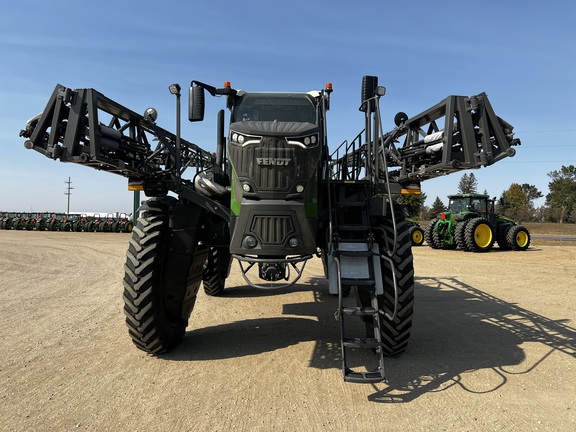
(280,107)
(469,204)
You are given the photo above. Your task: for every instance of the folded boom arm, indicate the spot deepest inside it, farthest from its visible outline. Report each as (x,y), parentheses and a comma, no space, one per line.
(83,126)
(456,134)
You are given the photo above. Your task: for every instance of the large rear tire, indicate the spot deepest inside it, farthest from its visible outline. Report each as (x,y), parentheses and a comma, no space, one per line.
(502,236)
(460,235)
(40,224)
(479,235)
(441,240)
(429,234)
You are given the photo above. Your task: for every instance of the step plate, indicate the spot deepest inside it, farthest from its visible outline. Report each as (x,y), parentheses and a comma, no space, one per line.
(363,377)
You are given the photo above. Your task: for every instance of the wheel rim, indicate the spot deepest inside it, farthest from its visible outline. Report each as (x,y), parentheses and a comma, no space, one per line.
(483,235)
(521,239)
(417,237)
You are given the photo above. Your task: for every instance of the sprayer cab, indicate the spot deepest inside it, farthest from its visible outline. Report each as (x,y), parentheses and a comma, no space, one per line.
(274,145)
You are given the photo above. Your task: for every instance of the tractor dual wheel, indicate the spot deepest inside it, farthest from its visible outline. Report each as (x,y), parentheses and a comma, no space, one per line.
(479,235)
(436,235)
(429,234)
(40,224)
(460,235)
(91,226)
(518,238)
(442,240)
(502,237)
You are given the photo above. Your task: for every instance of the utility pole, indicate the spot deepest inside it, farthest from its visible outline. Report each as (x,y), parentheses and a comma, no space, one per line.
(68,192)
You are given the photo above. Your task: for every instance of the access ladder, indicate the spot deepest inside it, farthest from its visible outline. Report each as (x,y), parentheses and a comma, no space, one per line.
(357,262)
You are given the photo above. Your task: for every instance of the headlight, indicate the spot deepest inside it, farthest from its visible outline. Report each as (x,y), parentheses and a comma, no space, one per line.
(250,241)
(243,140)
(304,141)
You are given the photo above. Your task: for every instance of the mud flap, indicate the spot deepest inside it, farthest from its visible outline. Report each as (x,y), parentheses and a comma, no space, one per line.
(184,258)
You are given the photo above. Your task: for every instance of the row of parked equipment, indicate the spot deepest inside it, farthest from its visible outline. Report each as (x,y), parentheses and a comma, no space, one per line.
(112,222)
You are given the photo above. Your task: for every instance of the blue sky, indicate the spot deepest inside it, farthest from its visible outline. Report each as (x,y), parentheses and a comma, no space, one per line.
(521,53)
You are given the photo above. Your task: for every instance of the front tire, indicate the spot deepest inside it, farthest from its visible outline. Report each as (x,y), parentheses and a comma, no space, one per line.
(395,334)
(160,282)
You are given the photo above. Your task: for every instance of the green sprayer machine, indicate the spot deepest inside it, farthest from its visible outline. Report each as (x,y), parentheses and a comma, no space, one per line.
(271,197)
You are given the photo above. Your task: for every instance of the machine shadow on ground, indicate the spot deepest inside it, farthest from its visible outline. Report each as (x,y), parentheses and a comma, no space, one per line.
(458,330)
(300,322)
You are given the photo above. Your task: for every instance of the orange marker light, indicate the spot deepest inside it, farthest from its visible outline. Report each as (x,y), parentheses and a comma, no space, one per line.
(328,86)
(227,84)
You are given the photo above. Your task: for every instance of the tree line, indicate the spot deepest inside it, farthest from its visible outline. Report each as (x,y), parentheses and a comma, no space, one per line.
(516,202)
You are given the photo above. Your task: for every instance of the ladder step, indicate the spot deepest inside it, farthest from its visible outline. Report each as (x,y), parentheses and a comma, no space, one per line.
(362,343)
(353,228)
(359,311)
(364,377)
(345,204)
(354,254)
(357,282)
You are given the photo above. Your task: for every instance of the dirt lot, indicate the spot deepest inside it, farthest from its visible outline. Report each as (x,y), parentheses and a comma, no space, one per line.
(492,348)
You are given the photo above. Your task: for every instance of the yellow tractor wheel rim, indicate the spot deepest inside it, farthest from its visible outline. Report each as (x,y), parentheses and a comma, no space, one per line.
(416,236)
(521,239)
(483,235)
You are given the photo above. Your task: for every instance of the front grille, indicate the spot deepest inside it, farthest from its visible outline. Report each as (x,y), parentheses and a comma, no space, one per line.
(273,166)
(272,230)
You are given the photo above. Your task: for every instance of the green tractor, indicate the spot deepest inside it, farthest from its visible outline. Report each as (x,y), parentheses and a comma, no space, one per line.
(471,224)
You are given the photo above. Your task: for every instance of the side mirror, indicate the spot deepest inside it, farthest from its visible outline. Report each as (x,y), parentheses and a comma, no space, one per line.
(196,104)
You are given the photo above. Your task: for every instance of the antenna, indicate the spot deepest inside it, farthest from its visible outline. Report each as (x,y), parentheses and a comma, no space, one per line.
(68,192)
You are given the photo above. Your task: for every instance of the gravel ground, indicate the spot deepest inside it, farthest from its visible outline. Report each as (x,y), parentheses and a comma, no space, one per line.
(492,348)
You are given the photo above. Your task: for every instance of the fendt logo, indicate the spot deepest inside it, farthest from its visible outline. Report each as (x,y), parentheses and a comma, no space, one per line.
(273,161)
